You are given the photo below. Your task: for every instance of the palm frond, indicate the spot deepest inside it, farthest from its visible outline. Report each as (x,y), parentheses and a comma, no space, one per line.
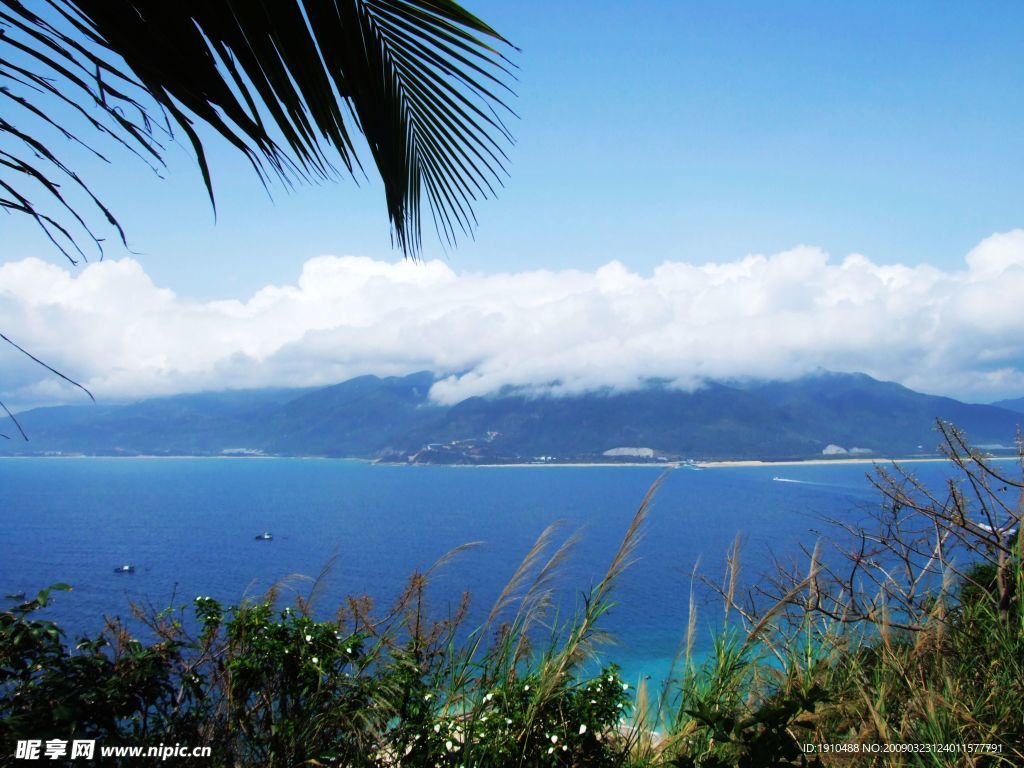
(289,83)
(42,67)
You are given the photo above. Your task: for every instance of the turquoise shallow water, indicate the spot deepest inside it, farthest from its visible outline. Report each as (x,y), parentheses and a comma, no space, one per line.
(188,525)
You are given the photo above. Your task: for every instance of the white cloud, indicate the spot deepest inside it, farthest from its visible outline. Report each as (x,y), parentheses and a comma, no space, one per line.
(951,332)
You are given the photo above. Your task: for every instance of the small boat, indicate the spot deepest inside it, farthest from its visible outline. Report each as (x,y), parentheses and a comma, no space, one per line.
(126,568)
(265,536)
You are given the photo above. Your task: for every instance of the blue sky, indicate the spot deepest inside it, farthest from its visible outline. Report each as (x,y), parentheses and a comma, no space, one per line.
(654,133)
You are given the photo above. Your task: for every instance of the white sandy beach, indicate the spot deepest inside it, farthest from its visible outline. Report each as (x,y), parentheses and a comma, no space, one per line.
(808,462)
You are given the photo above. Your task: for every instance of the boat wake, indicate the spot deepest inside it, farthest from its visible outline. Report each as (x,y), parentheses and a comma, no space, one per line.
(804,482)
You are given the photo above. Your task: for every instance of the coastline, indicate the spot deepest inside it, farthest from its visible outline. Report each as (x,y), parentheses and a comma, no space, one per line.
(668,465)
(723,464)
(732,463)
(812,462)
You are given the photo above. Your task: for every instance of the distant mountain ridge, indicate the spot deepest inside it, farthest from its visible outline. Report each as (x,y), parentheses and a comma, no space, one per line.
(394,419)
(1016,404)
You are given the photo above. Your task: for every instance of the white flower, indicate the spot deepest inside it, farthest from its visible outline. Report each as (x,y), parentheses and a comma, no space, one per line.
(583,728)
(348,650)
(619,705)
(437,727)
(427,697)
(554,739)
(316,660)
(565,748)
(508,721)
(448,745)
(309,638)
(625,686)
(550,750)
(611,679)
(526,687)
(488,697)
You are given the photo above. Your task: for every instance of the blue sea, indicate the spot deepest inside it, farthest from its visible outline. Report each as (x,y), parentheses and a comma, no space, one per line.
(189,527)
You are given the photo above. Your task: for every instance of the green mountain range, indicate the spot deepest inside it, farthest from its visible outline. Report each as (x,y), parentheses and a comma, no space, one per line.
(394,419)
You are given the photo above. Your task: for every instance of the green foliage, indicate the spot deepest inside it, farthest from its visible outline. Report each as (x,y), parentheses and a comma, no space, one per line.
(766,737)
(274,687)
(99,689)
(505,726)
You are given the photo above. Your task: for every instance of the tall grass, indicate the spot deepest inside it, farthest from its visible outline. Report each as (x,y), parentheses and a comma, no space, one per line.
(903,645)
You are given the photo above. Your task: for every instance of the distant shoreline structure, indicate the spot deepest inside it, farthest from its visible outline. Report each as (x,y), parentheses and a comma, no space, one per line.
(716,464)
(730,464)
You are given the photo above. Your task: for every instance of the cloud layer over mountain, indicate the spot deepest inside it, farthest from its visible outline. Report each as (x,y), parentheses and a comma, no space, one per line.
(947,332)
